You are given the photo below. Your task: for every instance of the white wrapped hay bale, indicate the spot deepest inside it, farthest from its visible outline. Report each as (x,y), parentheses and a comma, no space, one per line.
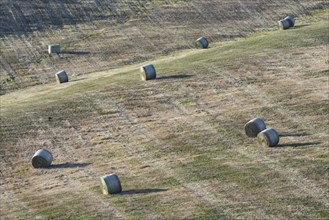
(291,20)
(42,159)
(62,77)
(148,72)
(54,48)
(284,24)
(202,42)
(110,184)
(287,23)
(254,126)
(268,137)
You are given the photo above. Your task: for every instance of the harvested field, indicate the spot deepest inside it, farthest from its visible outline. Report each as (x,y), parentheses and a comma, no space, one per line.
(177,142)
(98,35)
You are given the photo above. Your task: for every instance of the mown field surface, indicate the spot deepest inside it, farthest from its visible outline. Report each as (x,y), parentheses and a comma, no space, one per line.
(98,35)
(178,143)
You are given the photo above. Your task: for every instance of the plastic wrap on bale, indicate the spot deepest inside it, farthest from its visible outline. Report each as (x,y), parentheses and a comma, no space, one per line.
(110,184)
(42,159)
(268,138)
(202,42)
(148,72)
(62,77)
(254,126)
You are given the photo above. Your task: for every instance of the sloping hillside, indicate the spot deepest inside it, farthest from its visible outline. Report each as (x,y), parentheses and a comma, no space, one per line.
(97,34)
(177,143)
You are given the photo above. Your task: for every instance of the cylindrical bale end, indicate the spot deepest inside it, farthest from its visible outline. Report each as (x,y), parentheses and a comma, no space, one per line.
(268,138)
(291,20)
(62,77)
(148,72)
(110,184)
(254,126)
(54,48)
(42,159)
(284,24)
(202,42)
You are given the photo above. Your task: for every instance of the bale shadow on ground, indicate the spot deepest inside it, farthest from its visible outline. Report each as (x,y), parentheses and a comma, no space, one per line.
(300,26)
(75,52)
(298,144)
(141,191)
(173,77)
(76,80)
(286,134)
(69,165)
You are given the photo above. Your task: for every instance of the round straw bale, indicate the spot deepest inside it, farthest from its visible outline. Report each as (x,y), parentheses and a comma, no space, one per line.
(291,20)
(61,77)
(254,126)
(42,159)
(202,42)
(110,184)
(268,138)
(54,48)
(148,72)
(284,24)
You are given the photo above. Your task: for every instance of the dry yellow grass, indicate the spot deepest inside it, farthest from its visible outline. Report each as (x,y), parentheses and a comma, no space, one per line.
(178,142)
(99,35)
